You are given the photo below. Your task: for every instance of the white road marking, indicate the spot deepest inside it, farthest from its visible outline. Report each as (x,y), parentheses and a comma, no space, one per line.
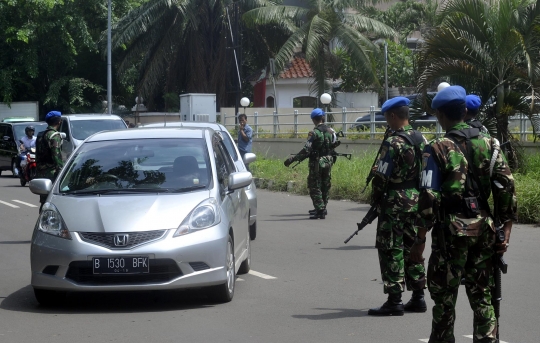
(471,337)
(238,279)
(424,340)
(8,204)
(261,275)
(24,203)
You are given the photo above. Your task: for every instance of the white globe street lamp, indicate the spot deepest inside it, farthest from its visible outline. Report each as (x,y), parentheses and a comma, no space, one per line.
(326,98)
(442,86)
(244,102)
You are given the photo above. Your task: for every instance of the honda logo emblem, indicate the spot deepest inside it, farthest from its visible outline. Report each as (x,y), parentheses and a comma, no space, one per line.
(121,240)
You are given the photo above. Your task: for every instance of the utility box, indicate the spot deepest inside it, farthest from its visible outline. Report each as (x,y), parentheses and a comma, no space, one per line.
(198,107)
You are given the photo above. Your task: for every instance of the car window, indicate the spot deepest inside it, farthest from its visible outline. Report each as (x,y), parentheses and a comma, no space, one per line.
(2,131)
(65,127)
(172,164)
(8,131)
(83,129)
(19,129)
(229,144)
(222,169)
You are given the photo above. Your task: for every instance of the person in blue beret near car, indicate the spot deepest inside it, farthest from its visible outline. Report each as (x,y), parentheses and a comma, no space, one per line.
(473,103)
(48,150)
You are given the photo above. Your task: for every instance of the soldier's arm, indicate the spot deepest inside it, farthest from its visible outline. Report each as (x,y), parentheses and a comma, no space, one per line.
(382,172)
(56,152)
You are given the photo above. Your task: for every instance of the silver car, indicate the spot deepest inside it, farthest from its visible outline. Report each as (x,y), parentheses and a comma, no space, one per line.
(78,127)
(148,209)
(251,190)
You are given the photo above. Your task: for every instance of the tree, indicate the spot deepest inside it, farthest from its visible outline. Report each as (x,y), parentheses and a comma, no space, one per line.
(317,28)
(487,47)
(178,45)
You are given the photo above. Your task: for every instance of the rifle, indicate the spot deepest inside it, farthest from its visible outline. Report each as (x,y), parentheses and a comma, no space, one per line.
(371,173)
(500,266)
(370,216)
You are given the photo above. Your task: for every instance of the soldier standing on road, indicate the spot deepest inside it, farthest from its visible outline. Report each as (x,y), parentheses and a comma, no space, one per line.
(395,193)
(48,150)
(318,148)
(460,172)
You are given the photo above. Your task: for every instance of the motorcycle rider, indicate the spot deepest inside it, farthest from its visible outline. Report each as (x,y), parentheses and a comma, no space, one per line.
(27,142)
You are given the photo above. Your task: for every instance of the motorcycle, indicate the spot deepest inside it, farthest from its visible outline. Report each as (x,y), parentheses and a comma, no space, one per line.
(28,167)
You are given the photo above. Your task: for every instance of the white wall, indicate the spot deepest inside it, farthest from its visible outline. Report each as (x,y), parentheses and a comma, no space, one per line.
(20,109)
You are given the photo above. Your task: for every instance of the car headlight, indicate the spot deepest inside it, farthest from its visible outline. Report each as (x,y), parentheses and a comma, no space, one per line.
(203,216)
(50,221)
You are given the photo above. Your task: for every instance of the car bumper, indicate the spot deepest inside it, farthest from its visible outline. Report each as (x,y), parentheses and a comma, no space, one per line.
(190,261)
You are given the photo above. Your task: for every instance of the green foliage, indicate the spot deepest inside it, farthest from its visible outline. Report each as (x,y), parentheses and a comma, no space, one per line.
(348,180)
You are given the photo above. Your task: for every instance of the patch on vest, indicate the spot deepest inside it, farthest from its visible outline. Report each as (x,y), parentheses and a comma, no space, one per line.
(385,166)
(431,176)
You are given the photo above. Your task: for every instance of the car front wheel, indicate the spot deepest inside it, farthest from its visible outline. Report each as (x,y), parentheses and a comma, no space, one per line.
(224,293)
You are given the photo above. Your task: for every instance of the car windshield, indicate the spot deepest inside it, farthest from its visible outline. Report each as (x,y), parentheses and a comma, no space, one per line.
(19,129)
(82,129)
(149,165)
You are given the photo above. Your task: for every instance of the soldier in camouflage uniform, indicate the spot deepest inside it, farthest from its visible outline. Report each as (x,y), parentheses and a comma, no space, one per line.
(317,148)
(460,172)
(395,193)
(48,150)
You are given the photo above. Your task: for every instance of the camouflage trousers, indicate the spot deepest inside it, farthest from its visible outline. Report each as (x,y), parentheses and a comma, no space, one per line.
(464,257)
(319,183)
(395,237)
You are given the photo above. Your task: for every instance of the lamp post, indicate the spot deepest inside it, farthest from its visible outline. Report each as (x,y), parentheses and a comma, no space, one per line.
(109,60)
(244,102)
(325,100)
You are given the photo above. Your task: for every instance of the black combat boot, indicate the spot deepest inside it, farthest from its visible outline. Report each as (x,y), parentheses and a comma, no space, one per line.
(392,307)
(417,302)
(320,214)
(315,211)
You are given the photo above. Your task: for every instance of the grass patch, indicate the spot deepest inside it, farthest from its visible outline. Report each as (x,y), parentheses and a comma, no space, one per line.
(349,178)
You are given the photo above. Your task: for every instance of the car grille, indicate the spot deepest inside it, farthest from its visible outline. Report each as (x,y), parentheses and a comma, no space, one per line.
(134,238)
(161,270)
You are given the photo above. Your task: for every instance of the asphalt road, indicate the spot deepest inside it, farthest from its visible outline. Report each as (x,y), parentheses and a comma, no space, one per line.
(306,286)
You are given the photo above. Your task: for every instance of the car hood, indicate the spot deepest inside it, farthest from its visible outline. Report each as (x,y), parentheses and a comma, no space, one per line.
(127,213)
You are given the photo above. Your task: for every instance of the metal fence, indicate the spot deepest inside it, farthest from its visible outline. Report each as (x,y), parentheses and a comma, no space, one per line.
(297,124)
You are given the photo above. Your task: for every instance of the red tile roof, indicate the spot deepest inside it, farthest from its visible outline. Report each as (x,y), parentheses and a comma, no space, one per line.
(297,68)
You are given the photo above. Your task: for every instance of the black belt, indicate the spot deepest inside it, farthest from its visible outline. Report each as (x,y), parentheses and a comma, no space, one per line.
(403,185)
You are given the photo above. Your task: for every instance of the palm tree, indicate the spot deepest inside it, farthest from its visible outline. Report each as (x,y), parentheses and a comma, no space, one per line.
(317,29)
(177,45)
(489,47)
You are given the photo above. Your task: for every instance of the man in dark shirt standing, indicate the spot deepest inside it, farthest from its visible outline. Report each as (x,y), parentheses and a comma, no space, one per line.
(245,135)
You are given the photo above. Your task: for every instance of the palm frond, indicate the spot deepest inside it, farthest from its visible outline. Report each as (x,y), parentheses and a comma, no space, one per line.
(274,15)
(316,38)
(365,24)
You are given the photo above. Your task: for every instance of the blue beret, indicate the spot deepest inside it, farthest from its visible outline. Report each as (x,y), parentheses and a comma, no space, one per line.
(317,113)
(398,101)
(448,96)
(473,102)
(52,114)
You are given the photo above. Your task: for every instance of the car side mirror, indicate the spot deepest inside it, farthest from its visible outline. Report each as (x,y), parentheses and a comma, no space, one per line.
(239,180)
(40,186)
(249,158)
(63,135)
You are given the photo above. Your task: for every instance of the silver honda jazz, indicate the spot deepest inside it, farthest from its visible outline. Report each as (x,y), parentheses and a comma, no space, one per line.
(148,209)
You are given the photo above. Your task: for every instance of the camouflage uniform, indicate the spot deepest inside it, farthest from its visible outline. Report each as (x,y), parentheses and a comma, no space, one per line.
(49,155)
(463,245)
(317,149)
(395,194)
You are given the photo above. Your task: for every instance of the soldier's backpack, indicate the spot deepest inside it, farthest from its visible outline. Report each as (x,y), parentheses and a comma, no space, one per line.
(416,139)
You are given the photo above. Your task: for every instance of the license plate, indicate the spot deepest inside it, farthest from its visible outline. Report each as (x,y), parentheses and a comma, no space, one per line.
(120,265)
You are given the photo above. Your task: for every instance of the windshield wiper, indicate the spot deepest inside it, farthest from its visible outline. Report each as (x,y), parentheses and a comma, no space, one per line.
(187,189)
(117,191)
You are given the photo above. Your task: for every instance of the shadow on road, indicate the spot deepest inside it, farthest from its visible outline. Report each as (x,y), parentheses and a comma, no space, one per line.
(351,247)
(337,313)
(23,300)
(15,242)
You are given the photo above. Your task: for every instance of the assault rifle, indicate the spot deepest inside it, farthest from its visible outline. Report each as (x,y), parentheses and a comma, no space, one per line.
(371,171)
(500,266)
(370,216)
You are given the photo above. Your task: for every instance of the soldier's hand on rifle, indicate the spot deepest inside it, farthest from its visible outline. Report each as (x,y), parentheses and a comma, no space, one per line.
(501,248)
(288,161)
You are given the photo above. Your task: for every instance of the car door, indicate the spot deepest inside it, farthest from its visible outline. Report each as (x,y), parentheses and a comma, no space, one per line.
(67,145)
(230,201)
(4,164)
